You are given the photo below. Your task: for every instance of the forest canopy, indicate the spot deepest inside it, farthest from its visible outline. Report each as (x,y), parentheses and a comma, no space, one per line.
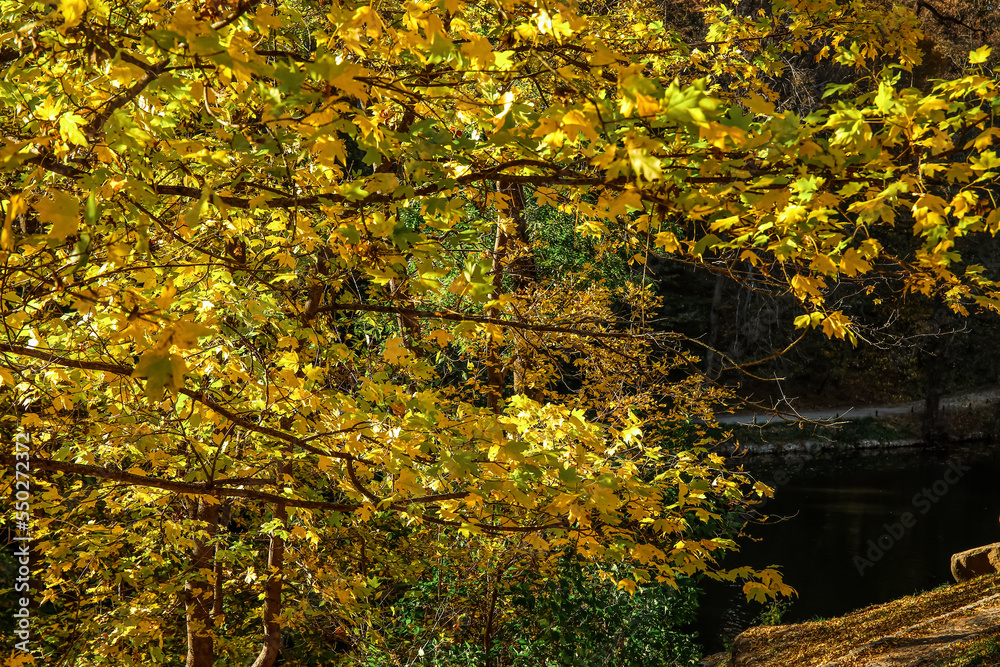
(305,301)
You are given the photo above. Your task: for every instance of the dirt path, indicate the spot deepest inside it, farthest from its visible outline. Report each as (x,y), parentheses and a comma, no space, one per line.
(788,413)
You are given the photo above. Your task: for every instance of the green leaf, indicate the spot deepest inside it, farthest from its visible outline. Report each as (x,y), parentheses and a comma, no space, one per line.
(91,213)
(706,242)
(161,370)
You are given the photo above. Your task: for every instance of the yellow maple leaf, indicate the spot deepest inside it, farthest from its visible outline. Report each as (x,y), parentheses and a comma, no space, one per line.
(645,164)
(853,263)
(984,140)
(667,241)
(162,371)
(980,55)
(758,105)
(442,337)
(72,11)
(187,24)
(185,333)
(62,210)
(808,288)
(69,129)
(646,553)
(823,264)
(808,320)
(479,50)
(15,207)
(628,585)
(835,325)
(395,351)
(266,20)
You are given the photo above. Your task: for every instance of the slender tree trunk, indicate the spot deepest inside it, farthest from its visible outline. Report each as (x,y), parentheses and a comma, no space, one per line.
(494,371)
(272,589)
(198,590)
(490,630)
(713,328)
(409,326)
(272,595)
(217,594)
(217,608)
(522,267)
(511,258)
(934,427)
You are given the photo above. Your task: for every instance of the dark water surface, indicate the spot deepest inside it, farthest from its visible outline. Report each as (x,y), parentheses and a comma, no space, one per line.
(860,529)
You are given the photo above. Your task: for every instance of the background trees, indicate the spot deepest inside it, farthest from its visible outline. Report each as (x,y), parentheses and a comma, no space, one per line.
(308,304)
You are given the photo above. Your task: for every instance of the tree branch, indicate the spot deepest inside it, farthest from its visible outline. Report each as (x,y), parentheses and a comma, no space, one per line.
(152,73)
(240,10)
(401,507)
(194,488)
(461,317)
(197,396)
(561,177)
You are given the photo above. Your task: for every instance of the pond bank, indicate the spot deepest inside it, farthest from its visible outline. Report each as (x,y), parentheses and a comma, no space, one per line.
(788,413)
(856,527)
(971,417)
(950,626)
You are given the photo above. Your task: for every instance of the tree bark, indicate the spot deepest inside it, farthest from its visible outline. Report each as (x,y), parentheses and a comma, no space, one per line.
(713,328)
(510,258)
(522,268)
(934,427)
(272,595)
(491,629)
(494,372)
(272,589)
(199,589)
(409,326)
(218,611)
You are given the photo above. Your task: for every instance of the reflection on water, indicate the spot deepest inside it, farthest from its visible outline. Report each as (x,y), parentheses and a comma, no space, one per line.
(860,529)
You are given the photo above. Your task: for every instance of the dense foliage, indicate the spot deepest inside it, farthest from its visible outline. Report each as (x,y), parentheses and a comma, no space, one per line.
(570,619)
(309,306)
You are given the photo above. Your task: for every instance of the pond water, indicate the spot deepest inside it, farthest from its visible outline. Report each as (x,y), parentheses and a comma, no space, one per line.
(852,530)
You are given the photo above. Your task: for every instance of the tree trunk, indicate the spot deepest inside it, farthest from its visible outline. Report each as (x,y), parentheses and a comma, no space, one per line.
(409,326)
(494,372)
(198,589)
(511,257)
(222,524)
(272,589)
(713,328)
(522,268)
(490,630)
(934,427)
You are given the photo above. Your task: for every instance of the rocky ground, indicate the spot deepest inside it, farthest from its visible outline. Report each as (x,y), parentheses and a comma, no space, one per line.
(953,626)
(787,412)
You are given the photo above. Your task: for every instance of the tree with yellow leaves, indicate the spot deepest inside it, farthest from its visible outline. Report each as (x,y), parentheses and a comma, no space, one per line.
(270,271)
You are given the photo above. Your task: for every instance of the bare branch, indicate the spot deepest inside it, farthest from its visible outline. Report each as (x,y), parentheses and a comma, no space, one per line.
(462,317)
